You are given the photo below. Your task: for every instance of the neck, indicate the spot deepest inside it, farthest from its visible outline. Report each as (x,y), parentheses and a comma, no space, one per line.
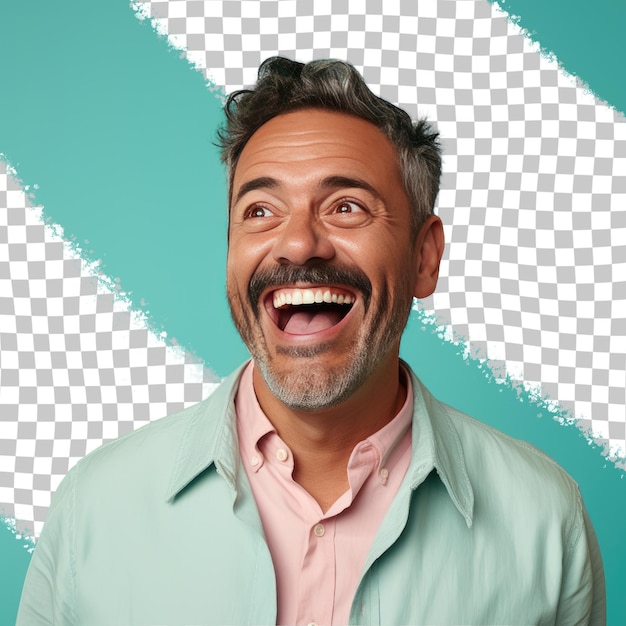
(322,441)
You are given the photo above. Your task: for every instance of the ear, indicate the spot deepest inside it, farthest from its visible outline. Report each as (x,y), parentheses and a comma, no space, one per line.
(429,245)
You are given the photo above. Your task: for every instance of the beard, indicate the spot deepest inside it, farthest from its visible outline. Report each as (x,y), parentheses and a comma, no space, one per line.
(311,384)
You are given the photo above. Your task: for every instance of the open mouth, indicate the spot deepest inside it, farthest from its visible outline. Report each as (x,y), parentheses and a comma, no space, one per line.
(309,310)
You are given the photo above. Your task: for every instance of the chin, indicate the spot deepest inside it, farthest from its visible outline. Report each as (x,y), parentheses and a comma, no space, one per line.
(312,386)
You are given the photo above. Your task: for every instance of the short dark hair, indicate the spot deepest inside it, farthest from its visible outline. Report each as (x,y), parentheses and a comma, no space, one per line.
(284,85)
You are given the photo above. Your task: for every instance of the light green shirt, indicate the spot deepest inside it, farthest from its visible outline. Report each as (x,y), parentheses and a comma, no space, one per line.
(160,527)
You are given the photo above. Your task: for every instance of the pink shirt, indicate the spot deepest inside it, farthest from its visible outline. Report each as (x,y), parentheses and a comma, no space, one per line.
(318,557)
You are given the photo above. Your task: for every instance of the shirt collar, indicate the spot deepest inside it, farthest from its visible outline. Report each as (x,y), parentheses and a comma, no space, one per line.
(436,445)
(256,424)
(210,438)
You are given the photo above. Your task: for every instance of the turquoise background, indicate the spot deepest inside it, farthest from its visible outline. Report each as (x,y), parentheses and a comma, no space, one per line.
(116,130)
(587,38)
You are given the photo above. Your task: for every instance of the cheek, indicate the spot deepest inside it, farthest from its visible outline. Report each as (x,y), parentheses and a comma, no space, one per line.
(236,282)
(374,245)
(397,272)
(246,253)
(239,260)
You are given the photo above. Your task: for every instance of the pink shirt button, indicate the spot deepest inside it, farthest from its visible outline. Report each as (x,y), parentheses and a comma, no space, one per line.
(319,530)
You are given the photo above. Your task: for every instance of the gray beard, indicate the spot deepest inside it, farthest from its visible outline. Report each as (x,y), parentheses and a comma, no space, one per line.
(315,388)
(312,386)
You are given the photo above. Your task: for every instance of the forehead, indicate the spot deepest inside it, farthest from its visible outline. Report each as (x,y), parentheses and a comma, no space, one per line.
(312,143)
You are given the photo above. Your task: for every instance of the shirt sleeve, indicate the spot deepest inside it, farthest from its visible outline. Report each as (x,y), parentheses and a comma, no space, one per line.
(583,595)
(49,590)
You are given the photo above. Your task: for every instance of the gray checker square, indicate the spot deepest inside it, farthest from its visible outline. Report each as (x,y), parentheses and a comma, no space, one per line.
(532,200)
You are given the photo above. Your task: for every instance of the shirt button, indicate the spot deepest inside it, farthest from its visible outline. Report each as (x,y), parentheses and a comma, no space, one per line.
(282,454)
(254,460)
(384,475)
(319,530)
(312,624)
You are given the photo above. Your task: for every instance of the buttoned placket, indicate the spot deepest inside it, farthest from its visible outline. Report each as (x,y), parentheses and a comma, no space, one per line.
(315,573)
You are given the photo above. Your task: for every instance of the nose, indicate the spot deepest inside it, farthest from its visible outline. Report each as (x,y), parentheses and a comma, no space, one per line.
(302,239)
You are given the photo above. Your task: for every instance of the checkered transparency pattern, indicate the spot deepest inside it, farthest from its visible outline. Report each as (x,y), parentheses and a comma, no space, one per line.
(533,201)
(534,190)
(77,367)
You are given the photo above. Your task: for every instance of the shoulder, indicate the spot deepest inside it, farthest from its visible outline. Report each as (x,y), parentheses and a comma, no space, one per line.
(156,442)
(510,479)
(525,531)
(488,450)
(161,440)
(145,460)
(522,492)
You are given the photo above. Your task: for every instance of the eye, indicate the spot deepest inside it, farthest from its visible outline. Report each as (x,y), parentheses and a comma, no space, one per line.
(348,206)
(257,211)
(348,213)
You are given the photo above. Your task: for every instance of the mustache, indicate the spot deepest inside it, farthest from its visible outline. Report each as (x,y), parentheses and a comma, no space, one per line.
(315,275)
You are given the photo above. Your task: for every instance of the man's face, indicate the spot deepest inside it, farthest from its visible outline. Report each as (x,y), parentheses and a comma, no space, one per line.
(322,261)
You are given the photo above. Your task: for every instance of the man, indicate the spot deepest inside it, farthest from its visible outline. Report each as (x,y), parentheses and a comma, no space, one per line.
(321,483)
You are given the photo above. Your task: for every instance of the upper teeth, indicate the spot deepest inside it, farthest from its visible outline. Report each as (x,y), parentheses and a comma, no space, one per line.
(295,297)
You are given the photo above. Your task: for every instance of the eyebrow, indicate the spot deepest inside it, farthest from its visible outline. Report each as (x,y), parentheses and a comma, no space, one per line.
(346,182)
(330,182)
(263,182)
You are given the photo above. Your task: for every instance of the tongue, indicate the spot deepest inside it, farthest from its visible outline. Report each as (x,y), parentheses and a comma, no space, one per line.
(308,322)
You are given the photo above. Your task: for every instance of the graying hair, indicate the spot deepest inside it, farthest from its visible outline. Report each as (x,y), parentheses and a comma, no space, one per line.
(284,85)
